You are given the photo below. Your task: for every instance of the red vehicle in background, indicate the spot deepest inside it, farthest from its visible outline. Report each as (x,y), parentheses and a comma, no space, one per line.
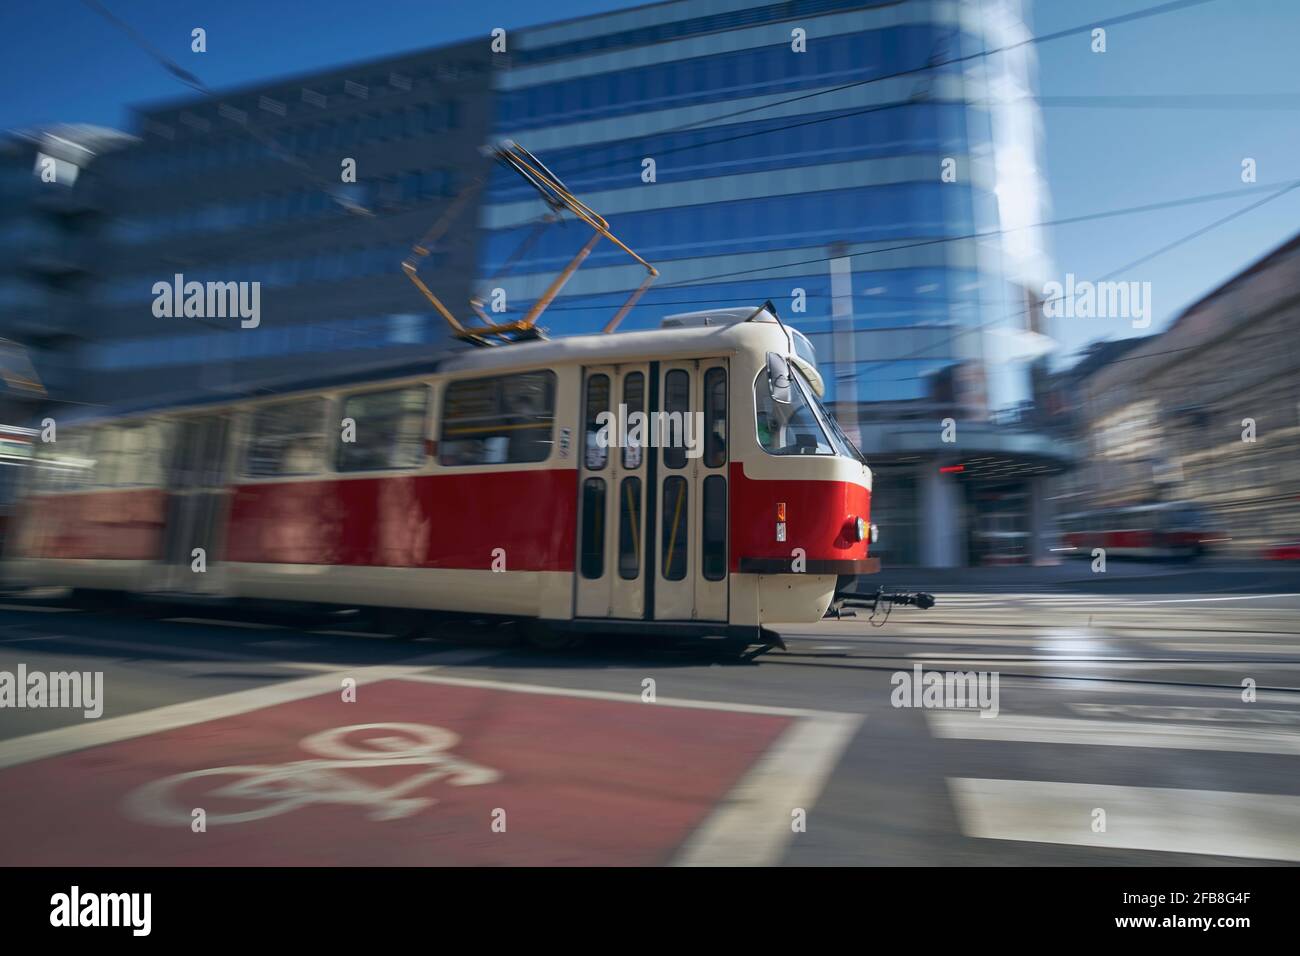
(15,453)
(1171,530)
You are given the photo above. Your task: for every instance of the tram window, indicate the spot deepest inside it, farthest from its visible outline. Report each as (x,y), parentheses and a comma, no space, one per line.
(593,528)
(629,529)
(287,438)
(503,420)
(829,425)
(713,541)
(128,455)
(803,348)
(389,430)
(677,401)
(715,417)
(634,399)
(103,452)
(597,405)
(65,464)
(1186,519)
(676,522)
(139,454)
(788,429)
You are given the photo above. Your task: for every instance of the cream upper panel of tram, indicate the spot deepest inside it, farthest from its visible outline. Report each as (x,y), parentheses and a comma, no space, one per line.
(744,344)
(756,338)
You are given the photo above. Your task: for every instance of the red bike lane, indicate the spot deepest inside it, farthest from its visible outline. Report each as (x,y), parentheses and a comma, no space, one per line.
(414,772)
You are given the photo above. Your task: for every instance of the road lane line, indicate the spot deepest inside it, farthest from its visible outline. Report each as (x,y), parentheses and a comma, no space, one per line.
(620,696)
(1020,728)
(1228,647)
(1243,597)
(753,823)
(1228,715)
(94,733)
(1255,826)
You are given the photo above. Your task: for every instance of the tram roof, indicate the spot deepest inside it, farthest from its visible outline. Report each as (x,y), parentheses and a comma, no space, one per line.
(597,348)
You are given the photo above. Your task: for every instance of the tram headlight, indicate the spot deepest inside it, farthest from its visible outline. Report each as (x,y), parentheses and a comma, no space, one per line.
(864,531)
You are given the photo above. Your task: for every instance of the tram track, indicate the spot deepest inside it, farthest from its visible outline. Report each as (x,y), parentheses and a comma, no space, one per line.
(847,662)
(1056,652)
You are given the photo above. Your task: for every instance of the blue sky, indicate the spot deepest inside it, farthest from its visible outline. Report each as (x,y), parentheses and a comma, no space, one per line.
(63,63)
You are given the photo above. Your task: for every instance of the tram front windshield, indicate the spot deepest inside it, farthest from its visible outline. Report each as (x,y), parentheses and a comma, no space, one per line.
(802,427)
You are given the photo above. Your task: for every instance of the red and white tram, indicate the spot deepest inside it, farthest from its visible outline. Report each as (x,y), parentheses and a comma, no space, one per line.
(479,482)
(1167,530)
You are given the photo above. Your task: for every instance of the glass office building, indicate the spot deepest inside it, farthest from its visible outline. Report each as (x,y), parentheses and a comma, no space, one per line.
(244,186)
(869,167)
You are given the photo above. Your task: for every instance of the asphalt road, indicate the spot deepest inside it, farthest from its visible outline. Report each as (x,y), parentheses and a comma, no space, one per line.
(1121,736)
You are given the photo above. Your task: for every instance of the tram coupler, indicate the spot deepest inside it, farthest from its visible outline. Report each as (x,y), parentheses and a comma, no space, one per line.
(881,600)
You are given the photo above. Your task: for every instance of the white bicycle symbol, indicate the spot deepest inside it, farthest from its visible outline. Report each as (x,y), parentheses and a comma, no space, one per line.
(282,788)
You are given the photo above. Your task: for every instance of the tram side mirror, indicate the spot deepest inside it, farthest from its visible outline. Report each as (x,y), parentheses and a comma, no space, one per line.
(778,378)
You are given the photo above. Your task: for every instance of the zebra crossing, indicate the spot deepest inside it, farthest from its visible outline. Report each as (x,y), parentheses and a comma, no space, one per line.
(1133,766)
(1218,820)
(1233,616)
(1255,826)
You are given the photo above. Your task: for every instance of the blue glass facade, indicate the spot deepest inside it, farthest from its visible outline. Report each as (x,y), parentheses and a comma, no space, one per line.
(721,74)
(768,164)
(879,185)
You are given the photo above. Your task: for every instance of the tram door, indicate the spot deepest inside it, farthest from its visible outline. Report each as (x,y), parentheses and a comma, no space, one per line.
(652,508)
(196,484)
(690,510)
(612,494)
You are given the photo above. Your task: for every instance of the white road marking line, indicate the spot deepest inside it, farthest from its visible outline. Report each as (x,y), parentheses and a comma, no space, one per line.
(95,733)
(1028,657)
(1243,597)
(752,825)
(1253,826)
(1103,688)
(980,640)
(1021,728)
(624,697)
(1133,663)
(1228,715)
(1228,647)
